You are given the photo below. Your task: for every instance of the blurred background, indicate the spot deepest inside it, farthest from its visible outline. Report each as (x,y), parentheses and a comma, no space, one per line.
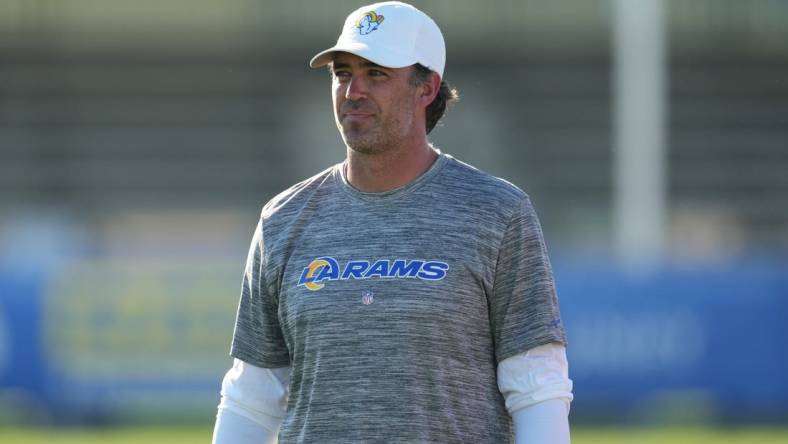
(139,141)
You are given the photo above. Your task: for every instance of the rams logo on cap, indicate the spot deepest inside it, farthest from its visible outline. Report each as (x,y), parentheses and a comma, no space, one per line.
(326,268)
(368,22)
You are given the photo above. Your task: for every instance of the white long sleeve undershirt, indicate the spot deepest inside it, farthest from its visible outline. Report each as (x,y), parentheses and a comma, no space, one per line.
(253,404)
(537,392)
(535,386)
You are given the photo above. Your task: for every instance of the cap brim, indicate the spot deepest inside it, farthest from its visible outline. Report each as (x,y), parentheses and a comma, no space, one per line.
(389,59)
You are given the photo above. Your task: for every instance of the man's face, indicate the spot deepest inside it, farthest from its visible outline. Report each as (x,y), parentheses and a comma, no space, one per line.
(374,107)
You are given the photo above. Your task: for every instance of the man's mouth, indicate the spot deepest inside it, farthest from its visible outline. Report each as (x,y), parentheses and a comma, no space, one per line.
(356,115)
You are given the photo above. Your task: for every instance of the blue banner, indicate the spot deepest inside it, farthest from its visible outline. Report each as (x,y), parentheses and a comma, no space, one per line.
(129,340)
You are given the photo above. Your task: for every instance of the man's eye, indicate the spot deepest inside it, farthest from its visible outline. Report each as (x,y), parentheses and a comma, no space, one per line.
(376,73)
(341,75)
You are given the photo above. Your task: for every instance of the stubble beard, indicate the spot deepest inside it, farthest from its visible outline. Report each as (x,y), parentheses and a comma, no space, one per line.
(378,136)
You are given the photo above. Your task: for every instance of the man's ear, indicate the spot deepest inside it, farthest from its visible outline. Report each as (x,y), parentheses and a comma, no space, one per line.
(429,89)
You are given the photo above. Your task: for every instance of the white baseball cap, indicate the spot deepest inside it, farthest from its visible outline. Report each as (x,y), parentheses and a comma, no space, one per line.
(391,34)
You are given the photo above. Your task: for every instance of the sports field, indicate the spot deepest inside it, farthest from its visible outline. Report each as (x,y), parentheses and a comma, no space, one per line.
(580,435)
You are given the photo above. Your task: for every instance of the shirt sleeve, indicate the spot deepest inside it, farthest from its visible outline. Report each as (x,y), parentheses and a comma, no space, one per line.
(258,336)
(524,311)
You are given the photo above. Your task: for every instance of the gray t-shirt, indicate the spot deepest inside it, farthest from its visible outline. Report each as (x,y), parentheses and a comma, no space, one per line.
(394,308)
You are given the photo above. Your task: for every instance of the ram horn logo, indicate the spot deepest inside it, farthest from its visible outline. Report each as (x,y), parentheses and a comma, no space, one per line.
(368,22)
(317,270)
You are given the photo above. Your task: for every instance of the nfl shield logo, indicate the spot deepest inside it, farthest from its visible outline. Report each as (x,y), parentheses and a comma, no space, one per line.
(366,297)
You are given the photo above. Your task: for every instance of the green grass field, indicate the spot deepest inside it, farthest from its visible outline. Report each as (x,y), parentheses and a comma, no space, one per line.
(580,435)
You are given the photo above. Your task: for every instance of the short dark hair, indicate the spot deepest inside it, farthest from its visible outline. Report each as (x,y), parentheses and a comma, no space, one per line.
(447,95)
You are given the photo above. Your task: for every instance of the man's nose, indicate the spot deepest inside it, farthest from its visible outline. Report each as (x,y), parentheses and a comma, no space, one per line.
(356,88)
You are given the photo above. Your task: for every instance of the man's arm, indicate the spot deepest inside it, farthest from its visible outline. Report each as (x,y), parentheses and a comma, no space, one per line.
(537,390)
(542,423)
(253,405)
(528,332)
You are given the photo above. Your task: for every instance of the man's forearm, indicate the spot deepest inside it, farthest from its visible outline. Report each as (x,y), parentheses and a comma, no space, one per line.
(543,423)
(232,428)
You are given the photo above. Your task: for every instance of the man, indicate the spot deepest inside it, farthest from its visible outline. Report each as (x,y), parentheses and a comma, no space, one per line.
(400,296)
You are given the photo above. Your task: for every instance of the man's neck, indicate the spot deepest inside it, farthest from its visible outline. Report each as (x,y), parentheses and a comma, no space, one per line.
(388,170)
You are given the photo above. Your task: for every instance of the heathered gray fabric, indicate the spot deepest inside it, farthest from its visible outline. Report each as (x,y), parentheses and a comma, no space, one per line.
(418,363)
